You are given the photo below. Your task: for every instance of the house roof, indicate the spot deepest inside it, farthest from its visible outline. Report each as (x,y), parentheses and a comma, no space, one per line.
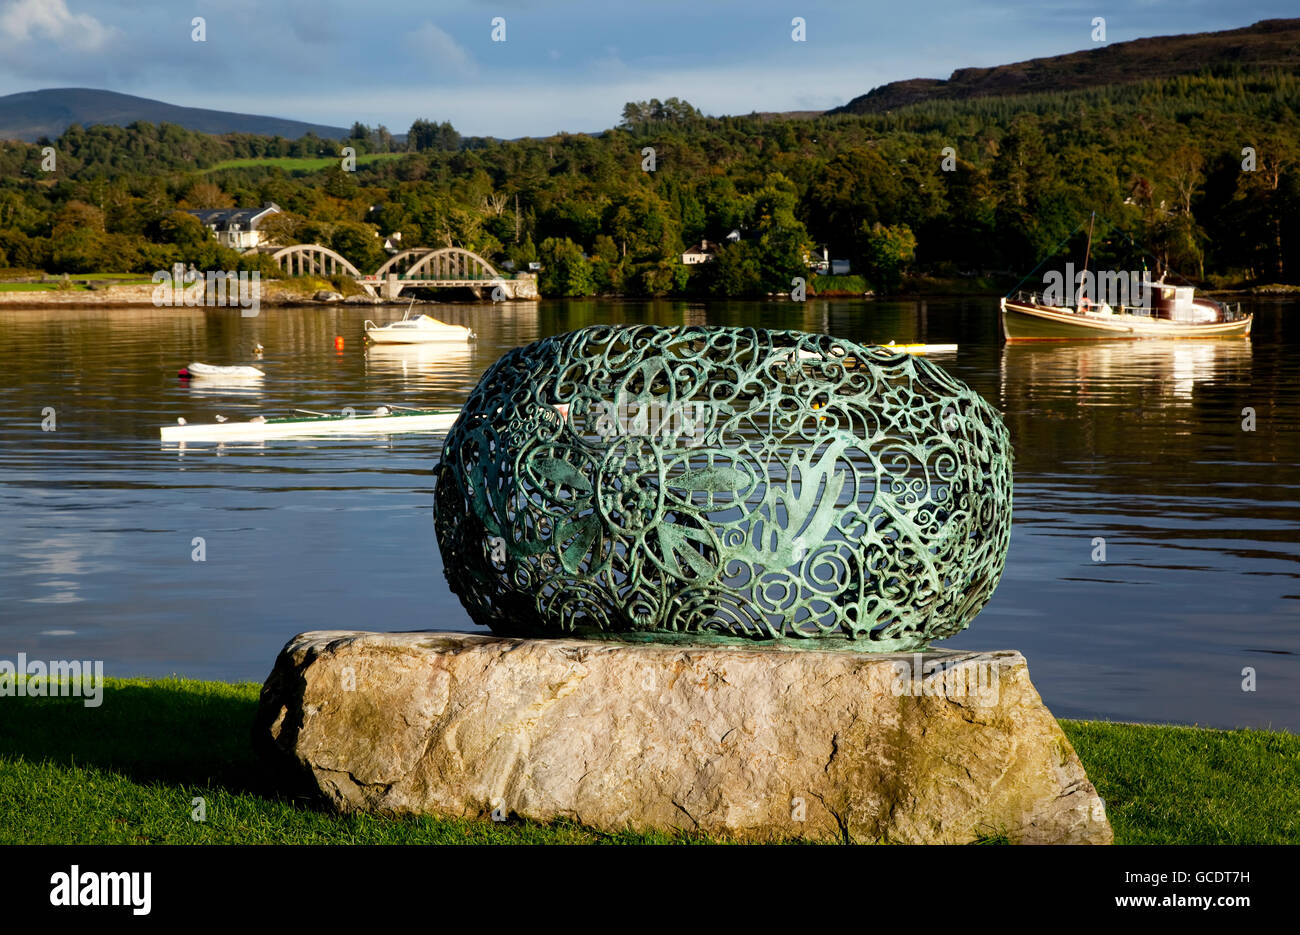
(222,219)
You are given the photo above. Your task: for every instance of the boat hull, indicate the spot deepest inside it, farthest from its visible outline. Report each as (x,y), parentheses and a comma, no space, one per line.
(1024,322)
(381,336)
(202,371)
(435,421)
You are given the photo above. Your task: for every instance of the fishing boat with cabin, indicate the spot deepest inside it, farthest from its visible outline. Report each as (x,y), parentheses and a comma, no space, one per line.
(1110,305)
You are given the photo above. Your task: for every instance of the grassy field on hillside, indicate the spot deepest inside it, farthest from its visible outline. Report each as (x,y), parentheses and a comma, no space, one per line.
(301,166)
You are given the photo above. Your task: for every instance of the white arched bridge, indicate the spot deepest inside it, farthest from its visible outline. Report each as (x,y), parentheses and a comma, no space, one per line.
(445,268)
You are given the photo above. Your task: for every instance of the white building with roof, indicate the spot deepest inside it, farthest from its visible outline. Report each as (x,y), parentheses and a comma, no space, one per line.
(237,228)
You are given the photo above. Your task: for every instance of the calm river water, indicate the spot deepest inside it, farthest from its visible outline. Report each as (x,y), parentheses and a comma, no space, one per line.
(1141,444)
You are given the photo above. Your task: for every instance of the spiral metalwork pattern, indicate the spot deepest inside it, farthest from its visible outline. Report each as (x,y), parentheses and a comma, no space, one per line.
(718,484)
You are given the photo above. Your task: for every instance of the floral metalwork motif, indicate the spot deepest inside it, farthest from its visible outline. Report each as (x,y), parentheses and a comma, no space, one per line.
(707,484)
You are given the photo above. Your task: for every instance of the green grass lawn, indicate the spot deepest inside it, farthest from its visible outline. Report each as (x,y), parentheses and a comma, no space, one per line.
(1187,785)
(854,285)
(301,165)
(37,287)
(128,771)
(77,282)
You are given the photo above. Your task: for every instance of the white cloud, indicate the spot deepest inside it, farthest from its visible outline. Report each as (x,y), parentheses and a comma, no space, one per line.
(441,53)
(52,21)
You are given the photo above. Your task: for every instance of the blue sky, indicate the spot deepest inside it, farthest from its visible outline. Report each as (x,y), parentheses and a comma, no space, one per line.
(564,65)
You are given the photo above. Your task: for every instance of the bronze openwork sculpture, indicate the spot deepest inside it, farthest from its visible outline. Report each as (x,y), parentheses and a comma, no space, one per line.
(708,484)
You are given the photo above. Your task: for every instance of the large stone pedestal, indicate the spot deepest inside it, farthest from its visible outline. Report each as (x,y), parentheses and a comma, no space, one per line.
(753,744)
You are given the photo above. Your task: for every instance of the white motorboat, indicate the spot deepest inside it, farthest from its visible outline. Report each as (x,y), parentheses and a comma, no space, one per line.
(418,330)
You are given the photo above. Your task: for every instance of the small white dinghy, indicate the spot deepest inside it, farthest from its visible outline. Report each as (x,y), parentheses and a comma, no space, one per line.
(419,330)
(212,371)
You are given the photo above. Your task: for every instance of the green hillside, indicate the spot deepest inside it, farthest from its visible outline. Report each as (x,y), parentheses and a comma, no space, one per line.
(31,115)
(1265,46)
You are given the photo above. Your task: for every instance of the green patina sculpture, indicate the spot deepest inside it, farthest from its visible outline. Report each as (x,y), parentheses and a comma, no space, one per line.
(715,484)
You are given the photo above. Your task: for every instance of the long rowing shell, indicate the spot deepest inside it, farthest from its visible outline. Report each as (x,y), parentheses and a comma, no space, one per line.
(422,420)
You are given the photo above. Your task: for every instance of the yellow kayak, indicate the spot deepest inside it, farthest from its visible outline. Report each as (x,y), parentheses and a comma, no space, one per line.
(922,348)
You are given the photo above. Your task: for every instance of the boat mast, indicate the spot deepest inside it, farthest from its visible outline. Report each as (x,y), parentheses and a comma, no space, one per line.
(1087,254)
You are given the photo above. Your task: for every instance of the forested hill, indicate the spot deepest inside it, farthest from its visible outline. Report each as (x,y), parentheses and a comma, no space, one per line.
(34,114)
(1202,169)
(1267,44)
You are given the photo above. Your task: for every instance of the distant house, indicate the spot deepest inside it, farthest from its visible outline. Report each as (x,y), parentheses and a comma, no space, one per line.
(734,236)
(823,265)
(703,253)
(237,228)
(393,242)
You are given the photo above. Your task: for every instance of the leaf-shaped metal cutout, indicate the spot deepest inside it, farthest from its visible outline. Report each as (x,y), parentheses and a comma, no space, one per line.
(674,541)
(583,532)
(562,473)
(717,478)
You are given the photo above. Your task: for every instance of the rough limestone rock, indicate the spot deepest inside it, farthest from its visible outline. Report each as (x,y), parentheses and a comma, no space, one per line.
(754,744)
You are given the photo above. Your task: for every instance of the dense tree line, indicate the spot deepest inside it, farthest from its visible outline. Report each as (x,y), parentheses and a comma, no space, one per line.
(1204,170)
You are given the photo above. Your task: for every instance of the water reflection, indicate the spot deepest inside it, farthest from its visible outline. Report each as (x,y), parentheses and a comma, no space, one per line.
(424,363)
(1133,405)
(234,388)
(60,563)
(220,449)
(1112,373)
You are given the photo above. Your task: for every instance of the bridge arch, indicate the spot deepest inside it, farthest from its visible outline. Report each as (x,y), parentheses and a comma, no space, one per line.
(451,263)
(311,258)
(400,262)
